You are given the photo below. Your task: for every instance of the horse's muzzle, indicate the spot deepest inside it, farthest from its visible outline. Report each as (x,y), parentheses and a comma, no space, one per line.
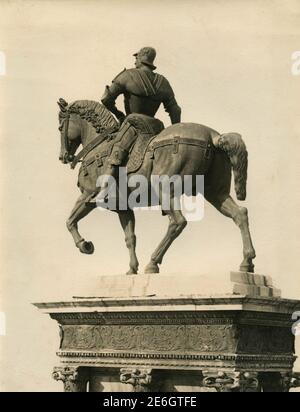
(63,157)
(66,158)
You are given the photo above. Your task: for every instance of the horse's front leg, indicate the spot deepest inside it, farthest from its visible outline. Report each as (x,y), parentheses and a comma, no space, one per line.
(82,208)
(127,220)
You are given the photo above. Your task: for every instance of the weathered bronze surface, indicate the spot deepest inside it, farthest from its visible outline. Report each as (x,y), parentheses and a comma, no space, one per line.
(181,149)
(139,142)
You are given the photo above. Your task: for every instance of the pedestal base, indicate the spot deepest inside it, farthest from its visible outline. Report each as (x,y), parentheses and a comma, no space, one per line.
(140,336)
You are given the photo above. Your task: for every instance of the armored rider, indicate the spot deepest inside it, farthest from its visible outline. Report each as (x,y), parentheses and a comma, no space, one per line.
(143,92)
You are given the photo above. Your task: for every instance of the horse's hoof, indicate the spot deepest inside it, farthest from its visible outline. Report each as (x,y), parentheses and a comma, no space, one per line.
(247,267)
(86,247)
(152,268)
(132,272)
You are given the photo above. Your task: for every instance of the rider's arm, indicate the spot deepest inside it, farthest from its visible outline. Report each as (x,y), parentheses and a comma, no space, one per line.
(109,99)
(172,108)
(171,105)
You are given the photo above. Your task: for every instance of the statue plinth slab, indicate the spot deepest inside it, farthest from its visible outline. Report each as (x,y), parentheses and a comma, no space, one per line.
(163,333)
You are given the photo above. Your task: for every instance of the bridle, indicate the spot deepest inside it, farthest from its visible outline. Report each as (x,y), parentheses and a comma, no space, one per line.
(63,128)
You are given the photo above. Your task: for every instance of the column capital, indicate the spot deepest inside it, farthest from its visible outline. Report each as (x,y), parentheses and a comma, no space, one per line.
(73,378)
(139,378)
(230,381)
(290,380)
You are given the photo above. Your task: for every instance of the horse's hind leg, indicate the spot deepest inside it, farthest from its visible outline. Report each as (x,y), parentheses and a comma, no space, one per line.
(177,223)
(227,206)
(127,220)
(82,208)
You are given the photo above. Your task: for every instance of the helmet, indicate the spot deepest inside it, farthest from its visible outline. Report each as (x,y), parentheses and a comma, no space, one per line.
(147,56)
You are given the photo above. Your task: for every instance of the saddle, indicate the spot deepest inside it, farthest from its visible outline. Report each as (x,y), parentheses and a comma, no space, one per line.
(147,128)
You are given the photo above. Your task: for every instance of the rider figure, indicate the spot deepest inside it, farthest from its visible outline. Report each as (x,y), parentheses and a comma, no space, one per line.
(143,92)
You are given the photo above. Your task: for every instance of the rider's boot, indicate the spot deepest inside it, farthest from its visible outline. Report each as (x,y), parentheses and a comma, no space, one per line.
(110,172)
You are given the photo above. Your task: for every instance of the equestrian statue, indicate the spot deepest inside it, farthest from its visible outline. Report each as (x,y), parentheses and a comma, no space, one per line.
(139,142)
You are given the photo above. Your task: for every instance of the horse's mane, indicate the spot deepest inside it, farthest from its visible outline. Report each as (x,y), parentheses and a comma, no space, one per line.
(95,113)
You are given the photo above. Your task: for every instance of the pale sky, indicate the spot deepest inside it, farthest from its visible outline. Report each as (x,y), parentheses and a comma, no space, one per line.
(229,63)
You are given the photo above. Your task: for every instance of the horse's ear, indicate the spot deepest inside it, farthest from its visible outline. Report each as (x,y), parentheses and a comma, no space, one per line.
(62,104)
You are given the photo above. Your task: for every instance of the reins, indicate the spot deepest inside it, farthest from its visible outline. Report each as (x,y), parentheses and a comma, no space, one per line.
(90,146)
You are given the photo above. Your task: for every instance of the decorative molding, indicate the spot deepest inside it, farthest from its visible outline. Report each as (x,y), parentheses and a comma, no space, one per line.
(159,338)
(128,355)
(144,318)
(264,319)
(140,379)
(251,339)
(166,318)
(231,381)
(178,361)
(235,302)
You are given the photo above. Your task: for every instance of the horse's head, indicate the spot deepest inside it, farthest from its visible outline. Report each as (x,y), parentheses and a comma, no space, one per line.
(69,132)
(80,122)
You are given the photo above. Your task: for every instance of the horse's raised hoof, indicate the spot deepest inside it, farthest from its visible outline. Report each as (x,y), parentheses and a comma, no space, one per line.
(152,267)
(86,247)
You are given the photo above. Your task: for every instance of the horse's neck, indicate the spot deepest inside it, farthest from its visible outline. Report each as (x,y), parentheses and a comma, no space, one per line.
(88,133)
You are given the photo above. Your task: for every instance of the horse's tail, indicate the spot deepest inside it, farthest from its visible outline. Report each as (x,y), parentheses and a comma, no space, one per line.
(233,145)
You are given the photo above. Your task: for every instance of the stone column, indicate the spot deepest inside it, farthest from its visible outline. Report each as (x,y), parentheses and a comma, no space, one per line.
(139,379)
(231,381)
(74,378)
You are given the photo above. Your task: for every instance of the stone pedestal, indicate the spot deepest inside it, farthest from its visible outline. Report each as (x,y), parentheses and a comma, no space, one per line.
(163,333)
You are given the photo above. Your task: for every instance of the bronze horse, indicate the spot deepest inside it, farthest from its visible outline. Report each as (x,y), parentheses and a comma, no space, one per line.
(83,120)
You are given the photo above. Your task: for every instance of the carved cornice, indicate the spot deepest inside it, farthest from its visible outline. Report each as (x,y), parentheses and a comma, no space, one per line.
(178,365)
(168,318)
(269,359)
(228,303)
(141,318)
(264,319)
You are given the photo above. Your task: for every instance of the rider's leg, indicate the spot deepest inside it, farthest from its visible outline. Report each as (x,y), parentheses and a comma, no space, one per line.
(123,142)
